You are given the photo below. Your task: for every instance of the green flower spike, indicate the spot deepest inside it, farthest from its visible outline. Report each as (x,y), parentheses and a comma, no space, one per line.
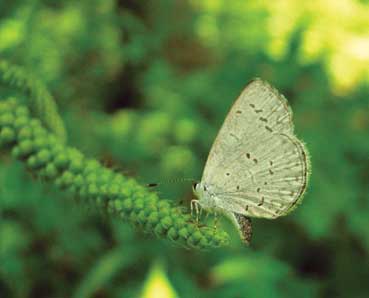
(39,100)
(46,155)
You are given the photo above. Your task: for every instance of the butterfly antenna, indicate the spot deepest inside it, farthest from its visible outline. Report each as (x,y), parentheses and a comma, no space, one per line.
(175,180)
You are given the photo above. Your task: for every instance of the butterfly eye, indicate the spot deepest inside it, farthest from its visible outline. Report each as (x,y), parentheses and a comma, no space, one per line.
(194,185)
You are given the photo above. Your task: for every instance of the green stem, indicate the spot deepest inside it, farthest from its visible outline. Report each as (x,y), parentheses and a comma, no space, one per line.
(48,157)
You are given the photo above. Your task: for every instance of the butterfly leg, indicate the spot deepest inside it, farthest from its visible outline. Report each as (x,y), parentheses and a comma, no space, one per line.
(216,219)
(195,205)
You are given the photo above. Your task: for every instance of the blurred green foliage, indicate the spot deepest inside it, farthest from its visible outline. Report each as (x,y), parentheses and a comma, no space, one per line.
(144,86)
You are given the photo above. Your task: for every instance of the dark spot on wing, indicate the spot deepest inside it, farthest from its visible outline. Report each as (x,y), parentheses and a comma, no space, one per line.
(238,187)
(262,201)
(247,207)
(227,174)
(271,163)
(248,155)
(268,128)
(252,105)
(239,112)
(265,183)
(263,119)
(258,189)
(271,172)
(255,160)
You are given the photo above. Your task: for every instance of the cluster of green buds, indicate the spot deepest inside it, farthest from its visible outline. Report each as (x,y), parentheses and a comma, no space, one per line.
(38,99)
(46,155)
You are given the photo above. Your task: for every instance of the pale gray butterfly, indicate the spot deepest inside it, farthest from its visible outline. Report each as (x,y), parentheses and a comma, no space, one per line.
(256,167)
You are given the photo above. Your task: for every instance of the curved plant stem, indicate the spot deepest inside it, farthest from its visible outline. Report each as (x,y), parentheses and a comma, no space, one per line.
(48,157)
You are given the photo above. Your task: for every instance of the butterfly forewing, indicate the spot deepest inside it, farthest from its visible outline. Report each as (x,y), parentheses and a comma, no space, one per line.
(257,166)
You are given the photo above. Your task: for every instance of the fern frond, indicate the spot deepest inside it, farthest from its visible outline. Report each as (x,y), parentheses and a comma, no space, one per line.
(46,156)
(40,101)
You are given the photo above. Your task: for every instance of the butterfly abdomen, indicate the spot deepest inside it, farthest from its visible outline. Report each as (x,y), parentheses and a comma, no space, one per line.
(244,227)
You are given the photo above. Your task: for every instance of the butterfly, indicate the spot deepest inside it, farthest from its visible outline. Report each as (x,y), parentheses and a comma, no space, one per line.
(256,167)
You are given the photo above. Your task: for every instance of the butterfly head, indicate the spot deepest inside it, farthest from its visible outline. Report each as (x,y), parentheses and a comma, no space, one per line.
(199,189)
(204,193)
(198,186)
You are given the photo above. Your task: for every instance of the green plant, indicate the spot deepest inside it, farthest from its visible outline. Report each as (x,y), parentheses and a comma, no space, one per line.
(23,130)
(39,100)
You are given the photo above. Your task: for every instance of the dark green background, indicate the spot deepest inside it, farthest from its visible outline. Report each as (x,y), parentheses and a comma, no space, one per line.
(144,87)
